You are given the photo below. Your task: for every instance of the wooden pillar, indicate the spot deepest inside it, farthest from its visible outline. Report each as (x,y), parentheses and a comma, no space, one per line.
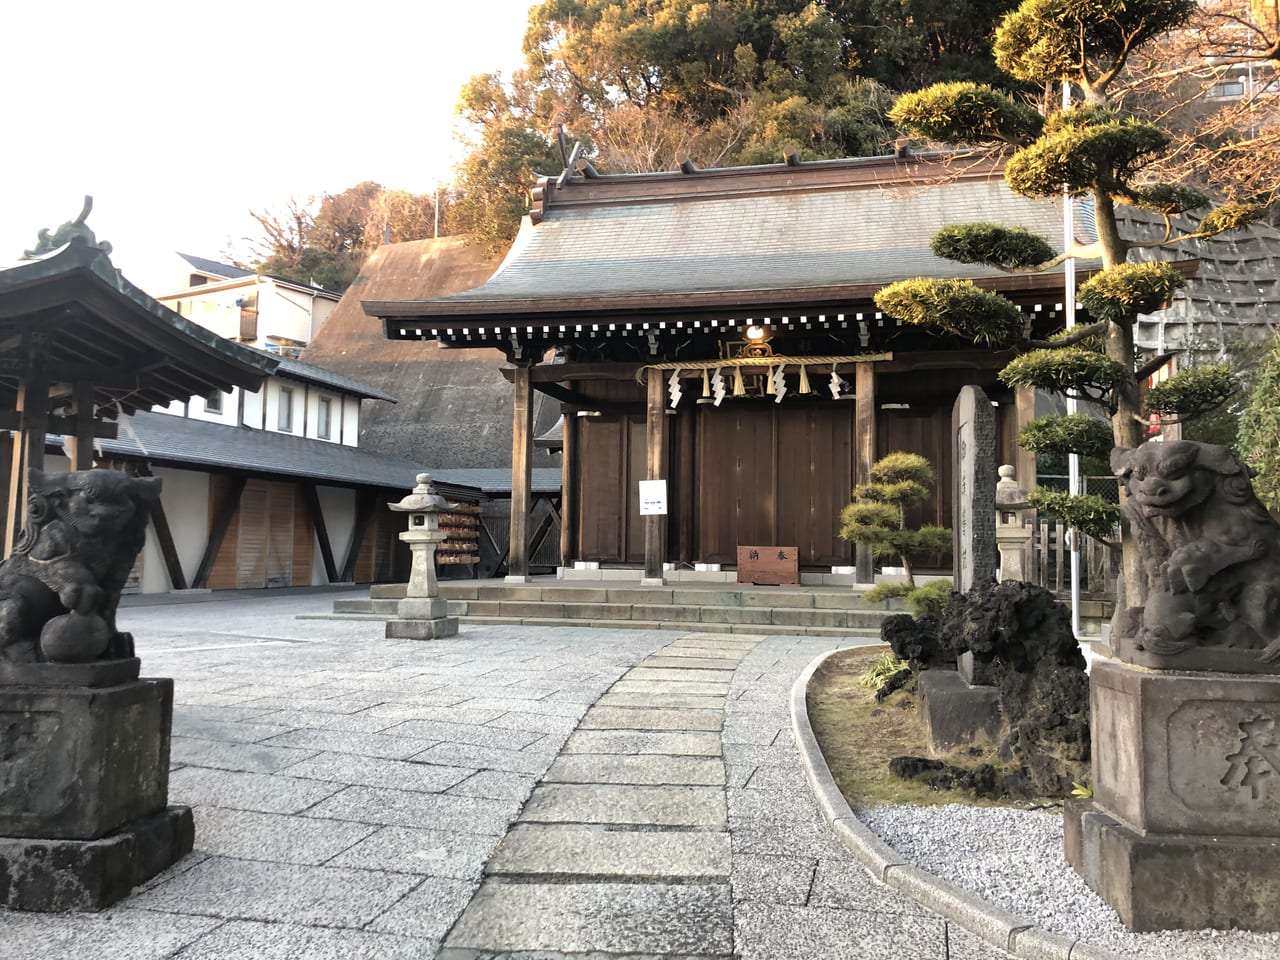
(655,526)
(82,442)
(684,497)
(521,474)
(1024,461)
(33,405)
(864,426)
(569,490)
(14,506)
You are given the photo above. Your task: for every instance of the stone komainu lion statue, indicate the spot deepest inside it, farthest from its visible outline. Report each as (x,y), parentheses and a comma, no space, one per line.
(60,587)
(1210,550)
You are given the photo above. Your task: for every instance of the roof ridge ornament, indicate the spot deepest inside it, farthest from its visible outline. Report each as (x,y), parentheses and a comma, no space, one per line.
(72,232)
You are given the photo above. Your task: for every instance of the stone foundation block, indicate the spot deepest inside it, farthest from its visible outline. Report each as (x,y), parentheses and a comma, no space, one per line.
(54,876)
(422,629)
(422,608)
(954,713)
(1182,753)
(1175,881)
(77,763)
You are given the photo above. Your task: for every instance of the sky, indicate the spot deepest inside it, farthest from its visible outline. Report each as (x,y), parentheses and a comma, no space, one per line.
(179,117)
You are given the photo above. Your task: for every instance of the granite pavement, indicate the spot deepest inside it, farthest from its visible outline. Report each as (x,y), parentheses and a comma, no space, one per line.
(513,791)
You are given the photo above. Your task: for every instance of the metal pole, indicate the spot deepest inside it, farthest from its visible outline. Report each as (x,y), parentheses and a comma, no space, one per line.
(1069,304)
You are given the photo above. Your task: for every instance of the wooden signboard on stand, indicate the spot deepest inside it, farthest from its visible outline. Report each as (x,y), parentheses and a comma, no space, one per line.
(772,565)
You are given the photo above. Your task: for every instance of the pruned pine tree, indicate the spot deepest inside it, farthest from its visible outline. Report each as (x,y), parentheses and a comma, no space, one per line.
(1092,148)
(1260,429)
(876,516)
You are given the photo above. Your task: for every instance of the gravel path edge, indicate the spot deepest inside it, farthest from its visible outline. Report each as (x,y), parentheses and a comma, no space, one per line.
(999,927)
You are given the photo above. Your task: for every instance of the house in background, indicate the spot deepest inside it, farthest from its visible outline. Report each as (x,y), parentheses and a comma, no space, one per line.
(272,313)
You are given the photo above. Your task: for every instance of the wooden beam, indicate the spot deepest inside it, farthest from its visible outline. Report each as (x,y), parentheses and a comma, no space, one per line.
(34,392)
(1024,461)
(565,372)
(218,532)
(864,444)
(67,426)
(312,498)
(540,534)
(521,473)
(684,496)
(8,453)
(568,492)
(366,502)
(164,537)
(575,398)
(655,527)
(82,435)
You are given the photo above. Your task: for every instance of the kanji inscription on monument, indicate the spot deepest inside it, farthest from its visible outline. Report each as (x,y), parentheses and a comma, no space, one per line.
(973,432)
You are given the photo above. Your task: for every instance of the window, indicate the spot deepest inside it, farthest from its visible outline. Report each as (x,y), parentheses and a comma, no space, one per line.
(213,402)
(324,418)
(1228,89)
(285,419)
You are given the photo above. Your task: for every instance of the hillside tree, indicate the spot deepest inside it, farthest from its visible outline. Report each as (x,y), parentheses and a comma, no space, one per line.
(1093,148)
(325,240)
(645,86)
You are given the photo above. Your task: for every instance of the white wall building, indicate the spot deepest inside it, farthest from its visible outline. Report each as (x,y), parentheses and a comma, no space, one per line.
(255,309)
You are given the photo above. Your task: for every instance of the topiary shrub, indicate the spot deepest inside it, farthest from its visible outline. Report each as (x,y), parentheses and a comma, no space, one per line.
(876,517)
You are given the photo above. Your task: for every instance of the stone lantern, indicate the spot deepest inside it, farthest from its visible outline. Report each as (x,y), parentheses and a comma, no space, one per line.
(422,614)
(1012,533)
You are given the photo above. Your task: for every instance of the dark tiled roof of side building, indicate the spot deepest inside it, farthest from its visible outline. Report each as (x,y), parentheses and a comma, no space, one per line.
(496,481)
(215,268)
(172,441)
(310,373)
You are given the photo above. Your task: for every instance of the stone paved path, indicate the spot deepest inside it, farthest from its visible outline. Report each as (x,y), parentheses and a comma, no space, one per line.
(514,791)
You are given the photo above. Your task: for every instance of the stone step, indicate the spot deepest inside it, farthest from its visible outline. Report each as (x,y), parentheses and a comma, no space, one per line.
(844,599)
(707,619)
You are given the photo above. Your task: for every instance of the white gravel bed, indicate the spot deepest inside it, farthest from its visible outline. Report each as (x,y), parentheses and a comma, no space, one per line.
(1014,858)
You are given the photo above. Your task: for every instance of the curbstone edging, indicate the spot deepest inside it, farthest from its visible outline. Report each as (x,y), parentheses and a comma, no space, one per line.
(997,926)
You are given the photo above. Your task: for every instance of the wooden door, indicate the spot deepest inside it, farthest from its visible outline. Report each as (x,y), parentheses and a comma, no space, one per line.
(736,480)
(815,477)
(926,431)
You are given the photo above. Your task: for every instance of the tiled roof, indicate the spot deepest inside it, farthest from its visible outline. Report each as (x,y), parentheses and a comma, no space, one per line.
(1235,289)
(496,481)
(309,372)
(737,237)
(194,444)
(140,352)
(214,268)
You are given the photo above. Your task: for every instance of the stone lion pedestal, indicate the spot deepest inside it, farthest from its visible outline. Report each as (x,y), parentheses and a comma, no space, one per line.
(84,783)
(84,743)
(1183,831)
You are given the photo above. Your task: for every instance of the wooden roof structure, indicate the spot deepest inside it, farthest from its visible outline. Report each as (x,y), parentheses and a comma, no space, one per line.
(80,345)
(675,257)
(98,327)
(664,277)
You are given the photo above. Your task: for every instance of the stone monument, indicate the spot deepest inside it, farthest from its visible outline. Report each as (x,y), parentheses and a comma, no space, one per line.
(84,743)
(1184,827)
(961,706)
(422,614)
(973,447)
